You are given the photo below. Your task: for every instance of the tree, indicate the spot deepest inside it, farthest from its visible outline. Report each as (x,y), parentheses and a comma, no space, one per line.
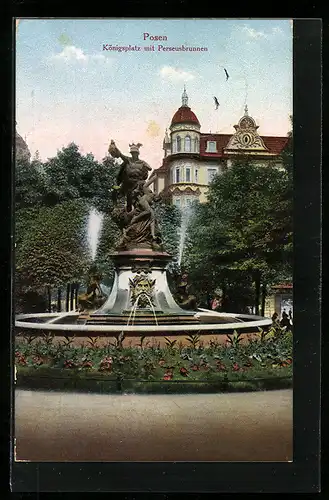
(243,231)
(169,220)
(70,175)
(51,250)
(108,240)
(29,184)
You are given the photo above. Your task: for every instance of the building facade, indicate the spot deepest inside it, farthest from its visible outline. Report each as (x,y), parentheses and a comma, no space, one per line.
(192,159)
(22,150)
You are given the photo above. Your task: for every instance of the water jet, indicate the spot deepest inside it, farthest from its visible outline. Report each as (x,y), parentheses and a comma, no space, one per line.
(140,301)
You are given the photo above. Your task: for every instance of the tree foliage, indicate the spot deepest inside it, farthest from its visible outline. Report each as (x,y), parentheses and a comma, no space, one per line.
(52,202)
(108,239)
(30,185)
(50,251)
(169,219)
(244,231)
(70,175)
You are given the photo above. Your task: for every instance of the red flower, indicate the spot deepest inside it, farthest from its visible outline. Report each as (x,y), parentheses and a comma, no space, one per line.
(106,364)
(195,368)
(69,363)
(289,361)
(87,364)
(220,366)
(37,360)
(236,367)
(21,360)
(183,371)
(161,362)
(167,376)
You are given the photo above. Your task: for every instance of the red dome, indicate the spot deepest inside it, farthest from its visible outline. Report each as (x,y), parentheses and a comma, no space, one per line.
(184,115)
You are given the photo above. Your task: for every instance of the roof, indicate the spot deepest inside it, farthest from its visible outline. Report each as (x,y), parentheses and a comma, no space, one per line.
(275,146)
(184,114)
(22,149)
(20,141)
(221,142)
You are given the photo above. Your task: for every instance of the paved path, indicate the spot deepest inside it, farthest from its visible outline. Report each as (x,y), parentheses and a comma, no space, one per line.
(53,426)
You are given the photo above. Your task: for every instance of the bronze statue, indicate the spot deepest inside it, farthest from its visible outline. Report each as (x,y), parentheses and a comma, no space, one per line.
(182,296)
(94,296)
(132,170)
(134,201)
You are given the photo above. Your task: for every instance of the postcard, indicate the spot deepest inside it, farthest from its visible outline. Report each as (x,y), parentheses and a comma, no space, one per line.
(154,290)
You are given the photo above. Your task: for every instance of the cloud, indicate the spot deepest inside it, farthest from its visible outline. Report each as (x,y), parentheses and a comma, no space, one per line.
(70,53)
(252,33)
(276,30)
(256,35)
(175,74)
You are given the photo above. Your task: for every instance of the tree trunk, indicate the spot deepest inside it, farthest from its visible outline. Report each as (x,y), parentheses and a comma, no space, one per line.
(76,296)
(68,297)
(257,293)
(264,294)
(59,300)
(49,298)
(71,296)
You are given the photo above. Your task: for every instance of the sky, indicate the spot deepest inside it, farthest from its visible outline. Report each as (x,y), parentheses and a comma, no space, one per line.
(69,89)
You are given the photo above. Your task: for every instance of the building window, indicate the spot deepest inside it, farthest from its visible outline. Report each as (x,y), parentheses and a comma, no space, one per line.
(177,202)
(177,175)
(187,174)
(179,144)
(196,145)
(211,147)
(196,175)
(189,200)
(187,144)
(211,174)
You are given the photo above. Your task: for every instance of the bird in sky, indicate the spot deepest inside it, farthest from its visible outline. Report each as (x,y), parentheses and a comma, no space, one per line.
(227,75)
(216,102)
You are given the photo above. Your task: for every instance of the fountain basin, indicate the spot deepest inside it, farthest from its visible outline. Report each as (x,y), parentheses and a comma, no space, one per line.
(207,322)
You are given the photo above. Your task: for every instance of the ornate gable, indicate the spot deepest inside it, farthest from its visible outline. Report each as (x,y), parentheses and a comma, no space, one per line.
(246,137)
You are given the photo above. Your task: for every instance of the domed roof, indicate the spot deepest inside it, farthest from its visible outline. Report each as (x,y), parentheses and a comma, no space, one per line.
(184,115)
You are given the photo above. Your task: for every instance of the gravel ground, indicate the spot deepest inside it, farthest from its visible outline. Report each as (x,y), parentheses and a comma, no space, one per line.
(58,426)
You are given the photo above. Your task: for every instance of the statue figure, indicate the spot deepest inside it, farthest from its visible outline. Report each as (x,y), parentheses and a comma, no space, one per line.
(132,170)
(182,296)
(134,201)
(142,288)
(94,296)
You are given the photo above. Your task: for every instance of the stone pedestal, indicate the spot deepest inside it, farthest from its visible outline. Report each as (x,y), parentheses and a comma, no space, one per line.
(140,293)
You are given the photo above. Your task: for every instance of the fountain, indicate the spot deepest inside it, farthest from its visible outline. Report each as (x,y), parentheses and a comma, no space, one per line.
(140,302)
(95,222)
(185,218)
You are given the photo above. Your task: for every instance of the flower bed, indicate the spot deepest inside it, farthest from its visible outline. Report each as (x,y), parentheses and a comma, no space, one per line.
(261,363)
